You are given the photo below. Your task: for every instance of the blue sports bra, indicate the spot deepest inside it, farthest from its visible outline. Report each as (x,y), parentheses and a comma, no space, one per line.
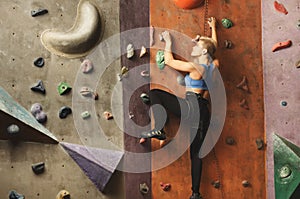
(200,83)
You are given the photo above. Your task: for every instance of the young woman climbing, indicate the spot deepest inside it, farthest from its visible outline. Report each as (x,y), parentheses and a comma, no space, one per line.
(194,106)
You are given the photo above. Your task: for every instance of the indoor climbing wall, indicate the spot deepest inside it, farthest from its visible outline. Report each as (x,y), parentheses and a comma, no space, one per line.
(235,167)
(281,62)
(46,71)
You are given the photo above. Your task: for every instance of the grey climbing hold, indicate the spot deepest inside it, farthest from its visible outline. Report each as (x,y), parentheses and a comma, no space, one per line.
(13,129)
(41,117)
(180,80)
(87,66)
(38,12)
(39,62)
(145,98)
(88,92)
(15,195)
(64,112)
(245,183)
(144,189)
(228,44)
(230,141)
(38,168)
(39,87)
(130,51)
(36,108)
(37,111)
(85,115)
(145,73)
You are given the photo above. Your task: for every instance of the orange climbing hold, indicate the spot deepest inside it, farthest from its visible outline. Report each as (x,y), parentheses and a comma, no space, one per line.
(281,45)
(188,4)
(280,7)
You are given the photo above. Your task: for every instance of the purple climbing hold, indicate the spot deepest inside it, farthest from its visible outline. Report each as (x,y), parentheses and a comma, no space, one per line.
(39,87)
(87,66)
(38,12)
(39,62)
(15,195)
(64,112)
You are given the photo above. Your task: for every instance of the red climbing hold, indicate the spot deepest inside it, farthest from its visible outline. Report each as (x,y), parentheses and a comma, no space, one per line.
(280,7)
(281,45)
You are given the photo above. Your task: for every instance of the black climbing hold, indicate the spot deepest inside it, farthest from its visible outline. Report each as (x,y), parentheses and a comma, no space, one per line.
(39,62)
(15,195)
(39,87)
(38,168)
(38,12)
(64,112)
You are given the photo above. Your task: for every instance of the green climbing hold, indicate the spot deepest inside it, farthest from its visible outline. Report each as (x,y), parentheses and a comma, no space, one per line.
(63,88)
(227,23)
(160,59)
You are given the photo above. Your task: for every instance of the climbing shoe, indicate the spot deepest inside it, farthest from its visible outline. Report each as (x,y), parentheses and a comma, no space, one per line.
(196,196)
(158,134)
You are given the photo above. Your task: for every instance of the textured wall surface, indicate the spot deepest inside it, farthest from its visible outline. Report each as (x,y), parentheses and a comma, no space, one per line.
(281,77)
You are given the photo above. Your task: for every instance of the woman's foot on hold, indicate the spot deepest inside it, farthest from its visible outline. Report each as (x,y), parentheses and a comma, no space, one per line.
(158,134)
(196,196)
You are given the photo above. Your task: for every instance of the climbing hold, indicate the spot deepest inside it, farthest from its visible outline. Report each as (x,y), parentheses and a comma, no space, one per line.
(259,144)
(243,103)
(36,108)
(243,84)
(123,73)
(85,115)
(180,80)
(130,51)
(151,36)
(39,62)
(144,189)
(245,183)
(161,38)
(281,45)
(165,186)
(188,4)
(160,59)
(13,129)
(38,168)
(280,8)
(87,92)
(230,141)
(64,112)
(63,88)
(142,140)
(15,195)
(297,64)
(143,51)
(145,73)
(86,66)
(216,184)
(130,115)
(227,23)
(298,24)
(283,103)
(285,172)
(107,115)
(145,98)
(39,87)
(41,117)
(81,38)
(63,194)
(228,44)
(38,12)
(196,39)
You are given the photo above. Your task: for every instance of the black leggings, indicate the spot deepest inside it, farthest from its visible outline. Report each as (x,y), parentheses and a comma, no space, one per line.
(194,108)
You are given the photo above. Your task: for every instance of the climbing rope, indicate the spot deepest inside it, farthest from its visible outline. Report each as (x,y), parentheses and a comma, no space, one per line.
(205,17)
(218,172)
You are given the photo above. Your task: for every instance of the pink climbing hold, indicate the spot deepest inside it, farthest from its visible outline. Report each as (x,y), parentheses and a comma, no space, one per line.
(87,66)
